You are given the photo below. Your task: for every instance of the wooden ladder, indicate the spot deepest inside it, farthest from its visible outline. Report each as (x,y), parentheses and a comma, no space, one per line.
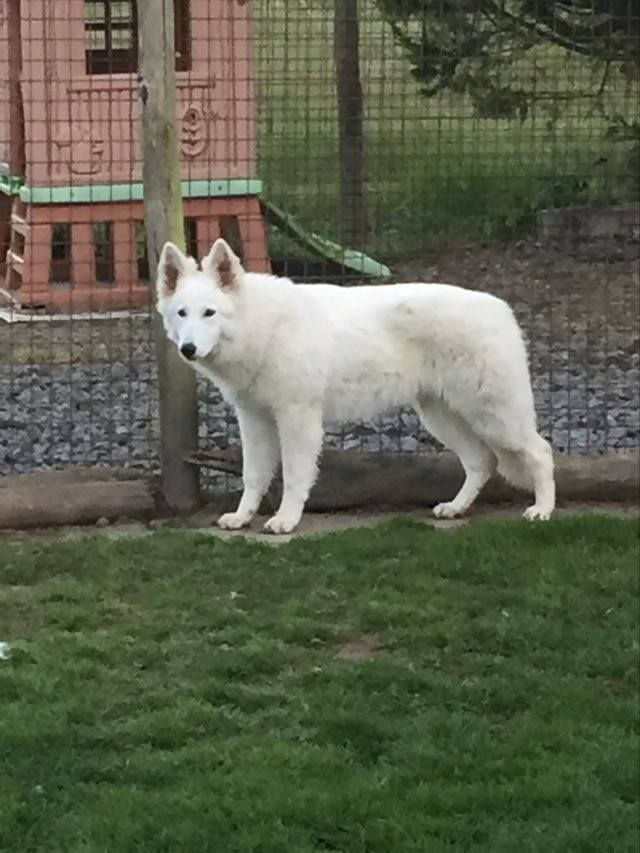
(18,234)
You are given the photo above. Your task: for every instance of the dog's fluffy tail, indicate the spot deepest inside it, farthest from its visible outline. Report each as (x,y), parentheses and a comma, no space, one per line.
(513,470)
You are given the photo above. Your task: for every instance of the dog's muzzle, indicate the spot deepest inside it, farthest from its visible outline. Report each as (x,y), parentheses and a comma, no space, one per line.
(188,351)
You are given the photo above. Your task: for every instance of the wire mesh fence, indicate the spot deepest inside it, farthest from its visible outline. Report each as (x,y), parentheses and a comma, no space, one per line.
(495,147)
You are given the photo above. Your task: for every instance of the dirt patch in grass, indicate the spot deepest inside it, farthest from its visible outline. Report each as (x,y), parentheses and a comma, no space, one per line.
(359,648)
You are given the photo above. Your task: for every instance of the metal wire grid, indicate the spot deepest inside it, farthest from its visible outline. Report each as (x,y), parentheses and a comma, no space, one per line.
(77,384)
(449,196)
(445,183)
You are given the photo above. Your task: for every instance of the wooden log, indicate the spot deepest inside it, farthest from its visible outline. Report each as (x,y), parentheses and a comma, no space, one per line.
(74,496)
(350,480)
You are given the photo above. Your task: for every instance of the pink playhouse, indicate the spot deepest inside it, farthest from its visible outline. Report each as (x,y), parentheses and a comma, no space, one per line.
(71,210)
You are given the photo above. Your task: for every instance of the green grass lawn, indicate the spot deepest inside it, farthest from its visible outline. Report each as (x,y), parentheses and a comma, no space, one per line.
(395,689)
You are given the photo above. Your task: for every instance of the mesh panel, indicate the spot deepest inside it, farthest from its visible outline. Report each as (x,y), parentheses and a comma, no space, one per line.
(451,142)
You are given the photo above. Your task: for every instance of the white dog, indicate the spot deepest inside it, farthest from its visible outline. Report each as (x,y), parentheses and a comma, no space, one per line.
(289,356)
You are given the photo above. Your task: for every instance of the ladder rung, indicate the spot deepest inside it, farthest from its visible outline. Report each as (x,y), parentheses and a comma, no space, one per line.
(19,224)
(15,260)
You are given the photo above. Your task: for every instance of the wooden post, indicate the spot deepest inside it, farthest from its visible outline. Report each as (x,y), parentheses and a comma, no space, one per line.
(164,221)
(346,46)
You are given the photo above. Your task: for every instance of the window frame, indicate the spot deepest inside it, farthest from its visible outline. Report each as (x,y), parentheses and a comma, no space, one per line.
(60,260)
(104,266)
(108,60)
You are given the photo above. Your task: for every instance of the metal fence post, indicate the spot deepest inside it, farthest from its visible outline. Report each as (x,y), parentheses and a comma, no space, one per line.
(164,221)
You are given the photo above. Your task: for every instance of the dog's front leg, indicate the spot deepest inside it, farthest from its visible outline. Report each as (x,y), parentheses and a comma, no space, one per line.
(300,430)
(260,456)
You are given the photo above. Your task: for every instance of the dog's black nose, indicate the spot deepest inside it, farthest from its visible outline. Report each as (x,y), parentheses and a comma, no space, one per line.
(188,351)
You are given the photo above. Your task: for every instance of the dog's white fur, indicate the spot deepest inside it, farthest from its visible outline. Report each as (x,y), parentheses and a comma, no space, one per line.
(289,356)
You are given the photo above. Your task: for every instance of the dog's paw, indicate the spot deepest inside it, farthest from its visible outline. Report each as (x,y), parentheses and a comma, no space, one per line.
(446,510)
(536,513)
(233,521)
(280,524)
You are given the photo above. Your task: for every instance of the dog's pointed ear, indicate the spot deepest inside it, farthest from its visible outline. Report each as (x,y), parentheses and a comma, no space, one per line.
(172,264)
(223,265)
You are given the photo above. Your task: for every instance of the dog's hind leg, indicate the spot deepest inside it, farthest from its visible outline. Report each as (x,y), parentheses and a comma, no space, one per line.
(300,429)
(524,457)
(260,456)
(476,457)
(538,460)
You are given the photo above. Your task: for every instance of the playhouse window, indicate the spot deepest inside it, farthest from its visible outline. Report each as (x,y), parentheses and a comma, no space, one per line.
(111,28)
(103,252)
(60,266)
(142,258)
(191,235)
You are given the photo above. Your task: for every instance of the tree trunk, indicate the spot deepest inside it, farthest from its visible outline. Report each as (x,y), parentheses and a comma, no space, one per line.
(350,122)
(164,221)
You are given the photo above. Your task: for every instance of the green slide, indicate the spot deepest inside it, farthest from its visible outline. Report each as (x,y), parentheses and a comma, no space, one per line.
(349,258)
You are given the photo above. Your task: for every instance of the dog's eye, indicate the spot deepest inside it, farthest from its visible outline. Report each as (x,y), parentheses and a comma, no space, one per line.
(182,313)
(209,312)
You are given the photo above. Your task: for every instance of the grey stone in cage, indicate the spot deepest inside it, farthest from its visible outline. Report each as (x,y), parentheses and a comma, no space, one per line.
(584,222)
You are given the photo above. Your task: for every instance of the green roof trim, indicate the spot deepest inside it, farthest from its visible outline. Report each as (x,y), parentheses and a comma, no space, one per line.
(10,184)
(97,193)
(206,188)
(350,258)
